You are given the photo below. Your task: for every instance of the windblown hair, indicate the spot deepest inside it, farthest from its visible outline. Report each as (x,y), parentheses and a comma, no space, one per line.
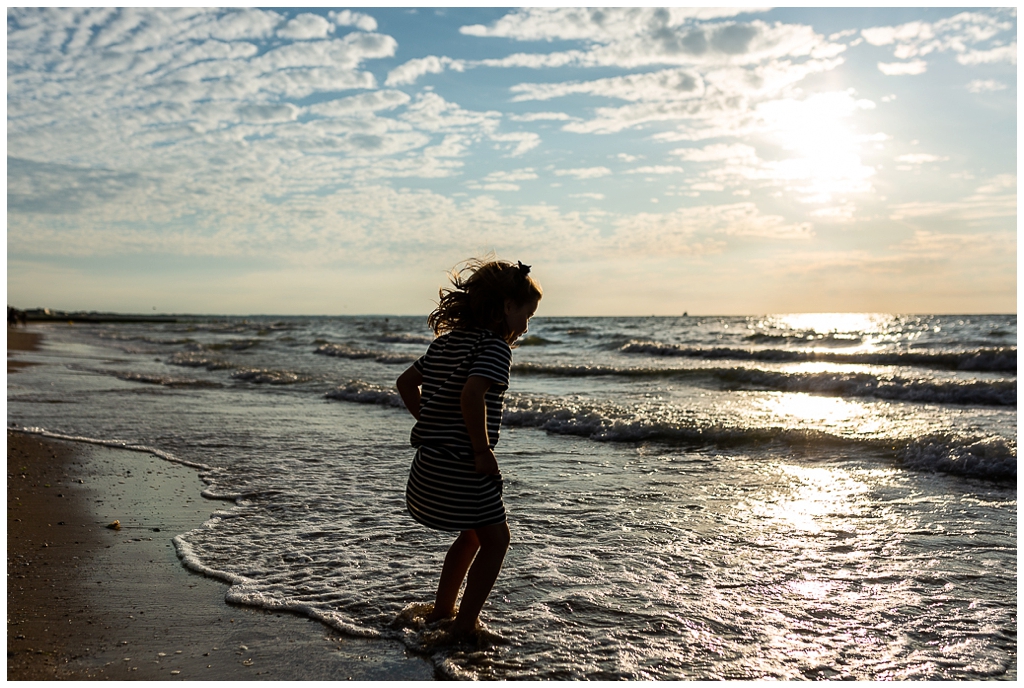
(479,294)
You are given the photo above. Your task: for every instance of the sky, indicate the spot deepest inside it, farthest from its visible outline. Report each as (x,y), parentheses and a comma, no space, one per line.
(644,161)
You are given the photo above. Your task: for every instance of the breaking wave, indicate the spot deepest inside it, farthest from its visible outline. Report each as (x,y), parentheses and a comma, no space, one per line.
(997,360)
(366,393)
(195,359)
(970,392)
(165,380)
(988,458)
(263,376)
(346,351)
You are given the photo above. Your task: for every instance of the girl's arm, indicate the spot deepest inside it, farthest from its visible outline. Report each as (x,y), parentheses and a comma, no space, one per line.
(408,384)
(474,412)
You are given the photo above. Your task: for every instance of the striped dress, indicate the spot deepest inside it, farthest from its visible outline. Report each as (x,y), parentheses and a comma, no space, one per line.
(444,491)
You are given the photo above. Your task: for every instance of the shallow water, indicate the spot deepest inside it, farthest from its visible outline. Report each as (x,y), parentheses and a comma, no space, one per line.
(778,497)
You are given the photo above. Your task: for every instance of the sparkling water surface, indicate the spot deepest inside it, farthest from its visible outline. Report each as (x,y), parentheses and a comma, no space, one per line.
(805,496)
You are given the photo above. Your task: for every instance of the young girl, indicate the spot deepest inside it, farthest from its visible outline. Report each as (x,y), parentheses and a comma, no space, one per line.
(455,392)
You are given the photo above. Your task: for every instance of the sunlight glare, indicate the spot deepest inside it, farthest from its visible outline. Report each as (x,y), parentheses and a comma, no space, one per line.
(827,152)
(834,323)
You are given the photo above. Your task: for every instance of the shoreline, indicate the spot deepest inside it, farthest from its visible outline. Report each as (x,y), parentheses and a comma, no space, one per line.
(88,602)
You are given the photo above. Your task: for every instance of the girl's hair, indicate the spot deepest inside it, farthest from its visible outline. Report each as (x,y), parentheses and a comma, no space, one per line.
(478,299)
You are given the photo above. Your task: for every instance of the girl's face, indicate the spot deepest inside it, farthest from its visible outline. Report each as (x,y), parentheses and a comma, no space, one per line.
(517,318)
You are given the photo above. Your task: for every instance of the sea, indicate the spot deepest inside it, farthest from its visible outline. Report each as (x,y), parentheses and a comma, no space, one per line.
(804,496)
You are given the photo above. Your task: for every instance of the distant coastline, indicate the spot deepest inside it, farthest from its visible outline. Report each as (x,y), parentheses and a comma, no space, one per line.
(49,315)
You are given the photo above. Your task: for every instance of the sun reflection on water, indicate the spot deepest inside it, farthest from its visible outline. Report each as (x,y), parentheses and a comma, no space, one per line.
(829,414)
(836,323)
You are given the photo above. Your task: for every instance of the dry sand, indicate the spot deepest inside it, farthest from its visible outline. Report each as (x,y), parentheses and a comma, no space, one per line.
(88,602)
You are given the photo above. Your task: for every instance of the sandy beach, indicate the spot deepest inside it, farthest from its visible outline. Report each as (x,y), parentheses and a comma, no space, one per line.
(85,601)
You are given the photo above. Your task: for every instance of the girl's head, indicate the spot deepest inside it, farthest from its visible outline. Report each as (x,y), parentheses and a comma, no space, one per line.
(496,295)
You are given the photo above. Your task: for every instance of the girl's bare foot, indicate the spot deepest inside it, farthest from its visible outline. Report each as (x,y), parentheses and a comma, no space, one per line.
(463,631)
(439,615)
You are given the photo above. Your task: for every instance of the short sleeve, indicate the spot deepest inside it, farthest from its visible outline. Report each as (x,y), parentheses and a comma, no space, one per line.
(419,363)
(493,361)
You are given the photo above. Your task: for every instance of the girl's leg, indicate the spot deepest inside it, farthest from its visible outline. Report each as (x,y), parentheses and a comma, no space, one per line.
(456,563)
(494,541)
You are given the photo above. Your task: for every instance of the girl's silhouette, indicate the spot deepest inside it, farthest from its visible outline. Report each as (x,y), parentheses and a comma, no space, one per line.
(455,391)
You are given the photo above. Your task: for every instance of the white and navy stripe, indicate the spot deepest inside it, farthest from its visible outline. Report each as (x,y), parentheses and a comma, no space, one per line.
(451,359)
(444,490)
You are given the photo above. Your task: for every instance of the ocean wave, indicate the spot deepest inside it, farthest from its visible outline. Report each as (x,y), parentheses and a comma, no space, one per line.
(264,376)
(992,457)
(191,345)
(970,456)
(232,345)
(117,444)
(367,393)
(534,340)
(164,380)
(347,351)
(195,359)
(973,392)
(988,458)
(997,359)
(122,337)
(809,337)
(401,338)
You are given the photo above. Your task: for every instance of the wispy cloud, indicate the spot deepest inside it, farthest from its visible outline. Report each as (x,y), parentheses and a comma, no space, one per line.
(409,72)
(912,68)
(975,38)
(997,198)
(584,172)
(985,85)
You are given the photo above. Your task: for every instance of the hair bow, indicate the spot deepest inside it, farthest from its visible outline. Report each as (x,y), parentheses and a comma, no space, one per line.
(525,269)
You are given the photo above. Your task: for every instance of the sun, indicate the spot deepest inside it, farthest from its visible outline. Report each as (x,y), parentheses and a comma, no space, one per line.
(825,152)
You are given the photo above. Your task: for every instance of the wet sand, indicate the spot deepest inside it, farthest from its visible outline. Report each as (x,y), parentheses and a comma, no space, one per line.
(88,602)
(20,340)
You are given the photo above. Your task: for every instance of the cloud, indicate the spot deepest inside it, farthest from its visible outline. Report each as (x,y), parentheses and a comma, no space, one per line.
(547,24)
(985,85)
(994,200)
(306,27)
(656,169)
(360,105)
(903,68)
(56,189)
(720,104)
(669,84)
(543,117)
(357,19)
(519,175)
(739,153)
(412,70)
(634,37)
(431,112)
(1004,53)
(524,140)
(584,172)
(962,34)
(504,180)
(281,112)
(818,154)
(699,229)
(149,116)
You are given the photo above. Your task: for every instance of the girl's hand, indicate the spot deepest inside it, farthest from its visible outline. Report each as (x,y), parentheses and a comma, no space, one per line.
(485,462)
